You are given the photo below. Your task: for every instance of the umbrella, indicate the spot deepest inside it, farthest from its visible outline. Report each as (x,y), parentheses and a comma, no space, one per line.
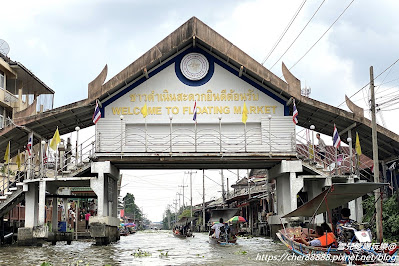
(237,219)
(130,224)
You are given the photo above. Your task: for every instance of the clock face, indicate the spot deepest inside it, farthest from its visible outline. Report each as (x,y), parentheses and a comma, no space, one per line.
(194,66)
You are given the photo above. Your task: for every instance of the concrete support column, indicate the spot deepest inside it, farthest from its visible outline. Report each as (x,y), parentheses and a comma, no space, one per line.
(114,205)
(42,203)
(31,205)
(288,186)
(283,195)
(104,226)
(352,204)
(99,187)
(54,216)
(314,189)
(359,206)
(296,184)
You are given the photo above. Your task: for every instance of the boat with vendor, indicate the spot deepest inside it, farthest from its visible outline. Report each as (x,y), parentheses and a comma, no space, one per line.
(224,230)
(352,245)
(182,227)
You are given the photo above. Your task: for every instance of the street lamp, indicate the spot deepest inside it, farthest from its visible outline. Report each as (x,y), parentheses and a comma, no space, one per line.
(312,127)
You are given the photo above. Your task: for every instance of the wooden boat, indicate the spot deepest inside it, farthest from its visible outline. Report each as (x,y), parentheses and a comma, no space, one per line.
(225,214)
(220,241)
(335,196)
(181,228)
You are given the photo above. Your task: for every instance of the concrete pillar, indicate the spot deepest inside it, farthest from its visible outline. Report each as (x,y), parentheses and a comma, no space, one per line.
(42,203)
(100,187)
(54,217)
(31,205)
(352,204)
(314,188)
(296,184)
(104,226)
(288,186)
(283,195)
(359,206)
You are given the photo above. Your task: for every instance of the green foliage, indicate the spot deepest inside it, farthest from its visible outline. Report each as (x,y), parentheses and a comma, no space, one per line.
(241,252)
(141,253)
(390,217)
(162,255)
(185,213)
(46,264)
(131,209)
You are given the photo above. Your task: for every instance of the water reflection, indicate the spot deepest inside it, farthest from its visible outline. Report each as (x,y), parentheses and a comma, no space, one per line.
(148,248)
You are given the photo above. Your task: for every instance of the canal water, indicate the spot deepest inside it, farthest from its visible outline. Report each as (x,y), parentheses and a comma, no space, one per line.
(151,247)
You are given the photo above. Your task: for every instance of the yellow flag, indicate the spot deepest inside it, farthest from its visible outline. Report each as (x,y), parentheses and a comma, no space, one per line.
(56,139)
(244,114)
(144,110)
(7,154)
(357,145)
(18,160)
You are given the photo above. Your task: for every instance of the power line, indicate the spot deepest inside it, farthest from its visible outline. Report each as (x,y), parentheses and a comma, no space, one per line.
(317,10)
(323,34)
(369,81)
(284,32)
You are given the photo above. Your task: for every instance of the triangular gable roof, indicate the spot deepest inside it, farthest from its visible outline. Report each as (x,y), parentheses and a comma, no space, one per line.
(192,33)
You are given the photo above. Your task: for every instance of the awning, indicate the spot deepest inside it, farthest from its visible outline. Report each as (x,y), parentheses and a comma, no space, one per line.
(337,195)
(226,214)
(185,220)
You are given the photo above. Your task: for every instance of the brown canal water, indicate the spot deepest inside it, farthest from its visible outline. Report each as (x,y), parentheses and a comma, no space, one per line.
(153,248)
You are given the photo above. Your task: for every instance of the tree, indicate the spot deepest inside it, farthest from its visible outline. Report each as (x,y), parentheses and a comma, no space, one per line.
(131,209)
(185,213)
(390,217)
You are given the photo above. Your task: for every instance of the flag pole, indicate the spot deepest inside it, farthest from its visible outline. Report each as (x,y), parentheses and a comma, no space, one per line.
(145,123)
(245,136)
(195,137)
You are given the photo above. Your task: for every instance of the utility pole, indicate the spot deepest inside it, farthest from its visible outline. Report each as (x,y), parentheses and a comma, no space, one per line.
(175,203)
(191,191)
(168,210)
(223,196)
(183,192)
(203,198)
(377,192)
(179,194)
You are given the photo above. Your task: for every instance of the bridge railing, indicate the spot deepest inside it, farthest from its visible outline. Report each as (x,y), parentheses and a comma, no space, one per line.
(340,164)
(76,156)
(205,139)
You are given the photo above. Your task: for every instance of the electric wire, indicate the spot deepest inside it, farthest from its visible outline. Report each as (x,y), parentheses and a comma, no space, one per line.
(322,35)
(369,81)
(289,47)
(284,32)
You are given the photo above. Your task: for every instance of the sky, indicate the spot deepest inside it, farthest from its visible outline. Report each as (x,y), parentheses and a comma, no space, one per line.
(66,44)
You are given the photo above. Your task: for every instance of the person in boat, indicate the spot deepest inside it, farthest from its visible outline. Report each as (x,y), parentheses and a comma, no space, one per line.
(216,228)
(344,235)
(324,237)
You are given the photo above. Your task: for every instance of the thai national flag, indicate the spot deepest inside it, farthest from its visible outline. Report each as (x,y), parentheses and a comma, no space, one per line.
(295,114)
(29,146)
(336,138)
(195,112)
(97,114)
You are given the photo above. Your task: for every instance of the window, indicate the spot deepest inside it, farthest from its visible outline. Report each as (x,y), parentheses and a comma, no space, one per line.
(1,79)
